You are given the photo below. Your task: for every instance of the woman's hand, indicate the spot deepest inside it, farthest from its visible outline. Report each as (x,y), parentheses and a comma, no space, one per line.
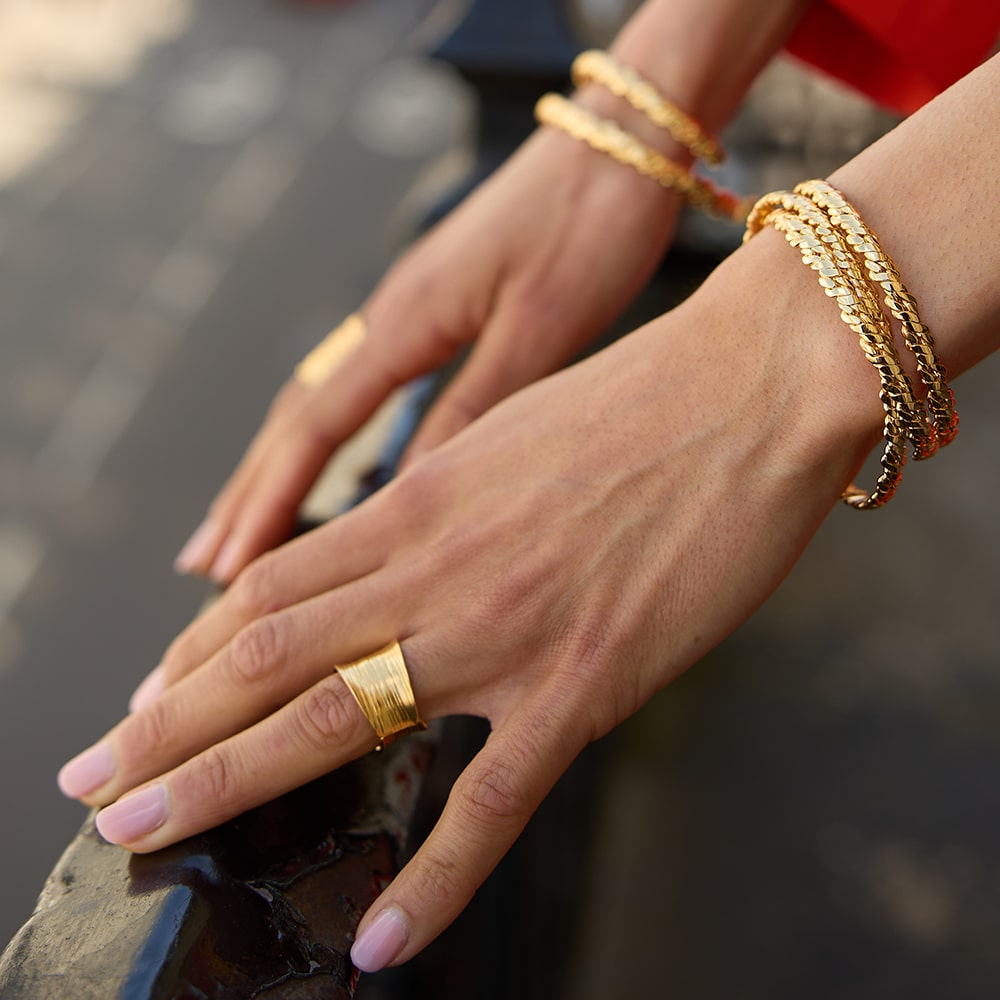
(531,268)
(549,569)
(528,270)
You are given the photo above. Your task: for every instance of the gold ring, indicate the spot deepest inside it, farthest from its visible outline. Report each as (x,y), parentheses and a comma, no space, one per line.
(380,684)
(328,354)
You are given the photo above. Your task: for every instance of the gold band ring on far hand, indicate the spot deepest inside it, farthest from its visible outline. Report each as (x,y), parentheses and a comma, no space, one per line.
(328,354)
(380,684)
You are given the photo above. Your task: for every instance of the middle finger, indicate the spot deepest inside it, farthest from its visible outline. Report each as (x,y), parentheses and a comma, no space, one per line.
(298,571)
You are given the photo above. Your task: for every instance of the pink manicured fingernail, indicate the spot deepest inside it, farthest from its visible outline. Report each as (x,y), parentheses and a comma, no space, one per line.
(197,548)
(134,816)
(86,772)
(225,565)
(149,690)
(381,941)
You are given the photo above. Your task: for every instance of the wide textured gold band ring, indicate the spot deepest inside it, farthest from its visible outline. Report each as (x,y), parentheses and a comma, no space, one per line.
(330,352)
(381,686)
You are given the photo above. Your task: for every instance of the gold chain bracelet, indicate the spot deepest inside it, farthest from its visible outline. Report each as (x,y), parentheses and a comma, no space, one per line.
(599,67)
(851,266)
(877,347)
(607,137)
(846,282)
(902,305)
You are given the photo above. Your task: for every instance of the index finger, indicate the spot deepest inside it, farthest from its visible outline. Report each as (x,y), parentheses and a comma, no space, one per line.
(486,811)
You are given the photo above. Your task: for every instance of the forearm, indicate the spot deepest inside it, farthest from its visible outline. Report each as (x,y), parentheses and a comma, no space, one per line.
(931,190)
(704,54)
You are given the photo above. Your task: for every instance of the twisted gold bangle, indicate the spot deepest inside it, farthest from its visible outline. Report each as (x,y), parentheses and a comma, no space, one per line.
(606,137)
(876,346)
(852,268)
(600,67)
(859,307)
(917,337)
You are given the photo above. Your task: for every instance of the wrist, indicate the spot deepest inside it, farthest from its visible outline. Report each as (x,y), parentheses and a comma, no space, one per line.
(599,101)
(614,185)
(704,57)
(819,396)
(699,84)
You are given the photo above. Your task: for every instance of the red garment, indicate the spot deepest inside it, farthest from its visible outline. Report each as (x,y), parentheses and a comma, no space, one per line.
(901,53)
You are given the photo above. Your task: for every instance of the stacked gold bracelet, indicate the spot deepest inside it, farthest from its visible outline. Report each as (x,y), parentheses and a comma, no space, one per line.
(605,136)
(623,81)
(854,269)
(608,137)
(902,305)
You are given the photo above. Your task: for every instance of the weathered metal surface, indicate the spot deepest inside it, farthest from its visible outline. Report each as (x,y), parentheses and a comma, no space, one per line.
(263,906)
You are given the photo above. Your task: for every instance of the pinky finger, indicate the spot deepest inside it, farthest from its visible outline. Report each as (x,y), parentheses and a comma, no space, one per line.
(487,809)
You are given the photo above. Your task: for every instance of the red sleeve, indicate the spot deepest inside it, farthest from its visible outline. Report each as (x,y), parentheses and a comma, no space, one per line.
(901,53)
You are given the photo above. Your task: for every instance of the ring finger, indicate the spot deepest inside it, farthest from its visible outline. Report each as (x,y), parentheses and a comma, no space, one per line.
(318,731)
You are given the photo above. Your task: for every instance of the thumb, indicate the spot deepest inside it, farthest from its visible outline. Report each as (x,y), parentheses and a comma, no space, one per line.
(508,355)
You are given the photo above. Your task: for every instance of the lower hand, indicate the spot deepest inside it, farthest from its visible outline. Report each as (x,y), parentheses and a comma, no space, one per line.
(549,569)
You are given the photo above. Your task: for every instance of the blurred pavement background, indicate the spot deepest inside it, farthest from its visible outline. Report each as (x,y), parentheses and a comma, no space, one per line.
(191,195)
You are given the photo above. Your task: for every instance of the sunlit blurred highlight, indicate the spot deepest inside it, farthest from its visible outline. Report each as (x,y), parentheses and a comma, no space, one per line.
(53,51)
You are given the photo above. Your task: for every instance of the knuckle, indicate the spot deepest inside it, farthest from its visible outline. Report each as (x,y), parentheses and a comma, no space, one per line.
(151,730)
(317,425)
(456,408)
(444,341)
(259,648)
(589,639)
(592,687)
(255,591)
(315,433)
(516,589)
(414,496)
(493,793)
(181,654)
(217,777)
(325,714)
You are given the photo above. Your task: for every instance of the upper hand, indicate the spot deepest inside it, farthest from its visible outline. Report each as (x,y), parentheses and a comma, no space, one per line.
(530,268)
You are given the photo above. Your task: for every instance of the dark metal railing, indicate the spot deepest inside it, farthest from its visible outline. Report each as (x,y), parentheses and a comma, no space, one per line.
(265,905)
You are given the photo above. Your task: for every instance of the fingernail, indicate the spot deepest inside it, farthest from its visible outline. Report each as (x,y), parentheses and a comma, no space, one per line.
(149,690)
(86,772)
(225,565)
(134,816)
(381,941)
(197,548)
